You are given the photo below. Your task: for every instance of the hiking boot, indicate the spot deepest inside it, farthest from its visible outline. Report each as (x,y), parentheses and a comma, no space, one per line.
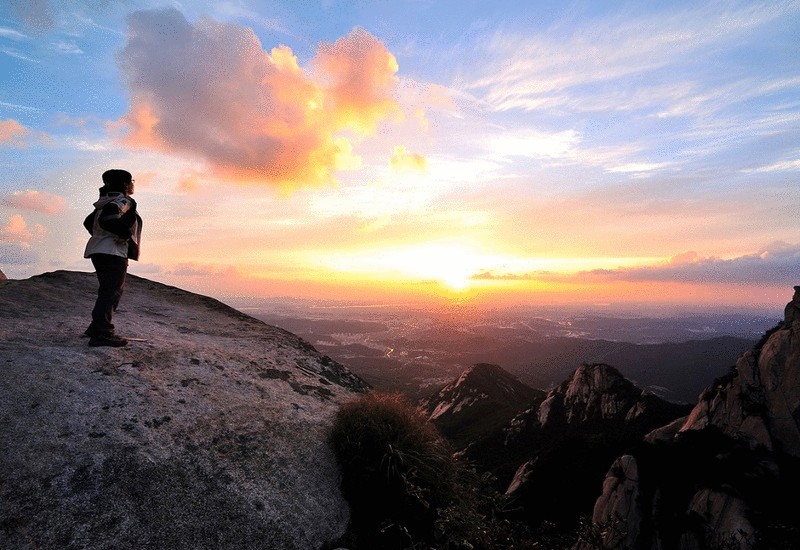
(107,340)
(92,332)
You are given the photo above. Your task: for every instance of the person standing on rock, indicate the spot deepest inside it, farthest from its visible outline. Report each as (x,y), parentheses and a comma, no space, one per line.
(115,229)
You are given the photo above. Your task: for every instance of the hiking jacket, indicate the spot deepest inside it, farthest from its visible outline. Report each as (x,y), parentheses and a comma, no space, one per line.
(115,226)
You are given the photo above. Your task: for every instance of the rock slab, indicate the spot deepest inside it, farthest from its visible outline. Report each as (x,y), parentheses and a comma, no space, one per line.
(209,434)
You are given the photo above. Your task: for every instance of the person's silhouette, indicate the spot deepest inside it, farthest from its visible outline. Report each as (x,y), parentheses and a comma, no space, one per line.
(115,229)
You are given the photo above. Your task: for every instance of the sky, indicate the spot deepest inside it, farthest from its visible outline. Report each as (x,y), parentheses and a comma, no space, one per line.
(504,153)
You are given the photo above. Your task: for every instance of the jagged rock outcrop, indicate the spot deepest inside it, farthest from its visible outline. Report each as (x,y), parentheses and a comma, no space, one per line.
(482,399)
(740,446)
(595,397)
(548,457)
(570,440)
(619,514)
(761,401)
(3,276)
(210,434)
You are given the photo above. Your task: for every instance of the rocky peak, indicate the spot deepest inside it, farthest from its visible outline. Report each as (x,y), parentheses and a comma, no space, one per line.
(212,429)
(732,461)
(481,382)
(481,399)
(791,312)
(593,393)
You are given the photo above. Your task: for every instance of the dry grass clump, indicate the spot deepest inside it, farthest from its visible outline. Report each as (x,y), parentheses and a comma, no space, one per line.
(397,472)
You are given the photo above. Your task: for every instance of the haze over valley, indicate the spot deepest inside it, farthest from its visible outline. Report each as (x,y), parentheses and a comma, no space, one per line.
(415,351)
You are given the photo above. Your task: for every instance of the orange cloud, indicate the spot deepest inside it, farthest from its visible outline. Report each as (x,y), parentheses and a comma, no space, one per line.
(17,231)
(37,201)
(188,184)
(404,160)
(12,133)
(210,90)
(685,258)
(360,80)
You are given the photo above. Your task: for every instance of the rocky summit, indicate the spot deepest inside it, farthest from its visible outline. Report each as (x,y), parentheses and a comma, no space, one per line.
(210,433)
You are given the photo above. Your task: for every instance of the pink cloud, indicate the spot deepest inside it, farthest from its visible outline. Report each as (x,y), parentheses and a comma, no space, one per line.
(360,82)
(36,201)
(16,231)
(188,184)
(12,133)
(685,258)
(211,91)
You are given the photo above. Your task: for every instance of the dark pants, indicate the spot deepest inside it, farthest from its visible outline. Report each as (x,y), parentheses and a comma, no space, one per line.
(111,271)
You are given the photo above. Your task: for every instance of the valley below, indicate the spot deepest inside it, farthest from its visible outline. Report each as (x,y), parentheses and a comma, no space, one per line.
(416,352)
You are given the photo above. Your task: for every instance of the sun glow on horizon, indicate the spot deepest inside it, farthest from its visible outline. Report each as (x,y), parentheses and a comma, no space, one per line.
(462,266)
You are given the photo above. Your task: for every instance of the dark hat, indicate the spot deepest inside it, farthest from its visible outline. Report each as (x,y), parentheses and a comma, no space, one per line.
(116,180)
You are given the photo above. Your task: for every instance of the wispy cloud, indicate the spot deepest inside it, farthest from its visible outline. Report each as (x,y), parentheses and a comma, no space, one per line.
(11,52)
(535,144)
(13,34)
(637,167)
(62,46)
(553,69)
(16,107)
(782,166)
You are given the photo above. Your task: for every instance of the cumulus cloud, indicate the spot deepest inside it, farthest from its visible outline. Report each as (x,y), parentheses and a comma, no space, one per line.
(16,231)
(403,160)
(36,201)
(359,79)
(210,90)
